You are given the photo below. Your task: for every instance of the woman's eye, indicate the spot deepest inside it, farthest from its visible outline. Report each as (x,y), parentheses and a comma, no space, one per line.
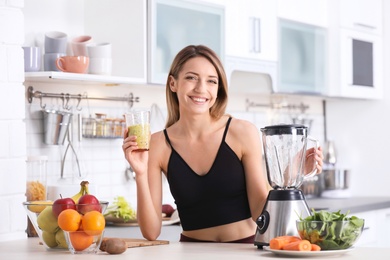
(191,77)
(213,82)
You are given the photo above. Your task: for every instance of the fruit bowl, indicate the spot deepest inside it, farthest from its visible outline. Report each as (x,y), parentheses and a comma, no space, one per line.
(331,235)
(45,223)
(80,242)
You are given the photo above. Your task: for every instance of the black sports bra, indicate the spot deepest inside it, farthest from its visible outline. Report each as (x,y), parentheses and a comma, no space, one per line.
(217,198)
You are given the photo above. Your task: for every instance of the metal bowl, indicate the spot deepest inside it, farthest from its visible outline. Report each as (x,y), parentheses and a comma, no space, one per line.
(336,179)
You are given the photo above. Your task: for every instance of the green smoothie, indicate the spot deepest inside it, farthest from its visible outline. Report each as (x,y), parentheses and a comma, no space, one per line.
(142,131)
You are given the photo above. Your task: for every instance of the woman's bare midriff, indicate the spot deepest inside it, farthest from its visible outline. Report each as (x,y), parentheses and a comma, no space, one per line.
(225,233)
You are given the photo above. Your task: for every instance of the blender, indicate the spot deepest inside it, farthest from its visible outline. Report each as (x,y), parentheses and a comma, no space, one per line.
(285,150)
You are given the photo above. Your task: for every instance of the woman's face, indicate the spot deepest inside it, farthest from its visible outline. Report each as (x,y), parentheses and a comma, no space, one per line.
(196,86)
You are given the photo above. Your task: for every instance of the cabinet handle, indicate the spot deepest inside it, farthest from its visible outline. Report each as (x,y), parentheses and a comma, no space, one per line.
(367,26)
(255,32)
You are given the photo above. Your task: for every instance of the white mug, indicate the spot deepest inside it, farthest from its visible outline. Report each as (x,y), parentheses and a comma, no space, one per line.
(32,59)
(99,50)
(100,66)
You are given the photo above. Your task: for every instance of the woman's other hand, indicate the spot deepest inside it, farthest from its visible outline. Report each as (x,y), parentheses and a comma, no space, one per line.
(318,160)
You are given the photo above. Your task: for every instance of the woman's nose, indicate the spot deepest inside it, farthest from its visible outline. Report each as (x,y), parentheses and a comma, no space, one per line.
(200,86)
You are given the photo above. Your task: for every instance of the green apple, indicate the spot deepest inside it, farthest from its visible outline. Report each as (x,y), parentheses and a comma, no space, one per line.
(47,221)
(60,238)
(49,239)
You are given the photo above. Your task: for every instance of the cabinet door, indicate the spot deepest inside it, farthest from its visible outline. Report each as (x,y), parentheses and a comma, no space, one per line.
(384,228)
(123,24)
(361,70)
(174,24)
(369,236)
(302,58)
(363,15)
(304,11)
(251,29)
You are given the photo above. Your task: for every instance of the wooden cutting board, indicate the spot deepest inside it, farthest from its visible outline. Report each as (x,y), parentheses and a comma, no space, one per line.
(134,242)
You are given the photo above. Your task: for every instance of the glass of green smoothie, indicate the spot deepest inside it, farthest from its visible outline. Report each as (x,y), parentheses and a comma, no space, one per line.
(138,124)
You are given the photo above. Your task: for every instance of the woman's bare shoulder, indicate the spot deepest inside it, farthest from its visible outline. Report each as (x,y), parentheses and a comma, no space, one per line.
(242,126)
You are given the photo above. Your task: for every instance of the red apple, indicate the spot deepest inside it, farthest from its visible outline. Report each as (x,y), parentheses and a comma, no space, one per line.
(88,203)
(62,204)
(167,210)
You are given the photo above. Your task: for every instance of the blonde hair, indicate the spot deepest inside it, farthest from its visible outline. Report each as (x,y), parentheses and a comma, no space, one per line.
(189,52)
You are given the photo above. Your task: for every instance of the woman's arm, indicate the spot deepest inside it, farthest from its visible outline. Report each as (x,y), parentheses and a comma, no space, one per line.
(148,180)
(247,136)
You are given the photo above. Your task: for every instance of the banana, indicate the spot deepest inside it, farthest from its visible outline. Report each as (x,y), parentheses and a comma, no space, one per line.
(83,190)
(39,206)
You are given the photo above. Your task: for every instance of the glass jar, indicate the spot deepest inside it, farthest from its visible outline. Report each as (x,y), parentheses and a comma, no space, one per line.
(36,186)
(100,124)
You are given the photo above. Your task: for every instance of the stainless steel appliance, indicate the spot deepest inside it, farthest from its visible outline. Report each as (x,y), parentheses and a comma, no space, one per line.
(285,150)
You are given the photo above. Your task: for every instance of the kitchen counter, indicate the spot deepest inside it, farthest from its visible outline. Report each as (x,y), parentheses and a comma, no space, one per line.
(353,204)
(29,248)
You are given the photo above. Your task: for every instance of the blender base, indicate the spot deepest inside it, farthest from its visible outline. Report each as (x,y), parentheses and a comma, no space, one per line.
(281,211)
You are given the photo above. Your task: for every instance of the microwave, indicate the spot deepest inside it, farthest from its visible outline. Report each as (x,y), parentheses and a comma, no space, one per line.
(361,68)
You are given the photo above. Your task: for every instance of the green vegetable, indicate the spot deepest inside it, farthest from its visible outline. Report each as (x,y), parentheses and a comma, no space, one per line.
(331,230)
(121,209)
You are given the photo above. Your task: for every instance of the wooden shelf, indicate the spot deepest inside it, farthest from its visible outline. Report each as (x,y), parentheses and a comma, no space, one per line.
(77,78)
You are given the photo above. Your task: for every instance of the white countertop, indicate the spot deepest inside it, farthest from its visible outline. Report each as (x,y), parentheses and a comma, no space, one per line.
(30,249)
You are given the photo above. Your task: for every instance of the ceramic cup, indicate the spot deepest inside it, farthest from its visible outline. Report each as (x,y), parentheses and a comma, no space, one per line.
(138,124)
(49,61)
(79,45)
(75,64)
(100,66)
(32,58)
(55,42)
(99,50)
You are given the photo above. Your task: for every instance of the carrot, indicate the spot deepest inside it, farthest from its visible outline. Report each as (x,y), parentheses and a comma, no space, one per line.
(315,247)
(303,245)
(278,242)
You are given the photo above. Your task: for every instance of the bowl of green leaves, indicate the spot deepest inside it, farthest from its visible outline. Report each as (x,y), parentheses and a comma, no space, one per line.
(121,213)
(330,230)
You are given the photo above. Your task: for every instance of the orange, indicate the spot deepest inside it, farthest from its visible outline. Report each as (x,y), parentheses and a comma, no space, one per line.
(93,223)
(80,240)
(69,220)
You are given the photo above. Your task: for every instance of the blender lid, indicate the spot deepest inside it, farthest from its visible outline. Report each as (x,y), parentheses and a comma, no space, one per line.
(284,129)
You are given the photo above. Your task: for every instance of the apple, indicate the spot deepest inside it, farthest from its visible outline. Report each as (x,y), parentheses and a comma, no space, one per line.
(60,239)
(47,221)
(88,202)
(49,239)
(167,210)
(62,204)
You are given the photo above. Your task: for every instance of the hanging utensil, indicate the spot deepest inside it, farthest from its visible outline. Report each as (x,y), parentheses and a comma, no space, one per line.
(70,145)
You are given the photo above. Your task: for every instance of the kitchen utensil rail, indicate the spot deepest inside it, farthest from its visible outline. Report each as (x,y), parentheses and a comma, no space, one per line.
(302,107)
(31,94)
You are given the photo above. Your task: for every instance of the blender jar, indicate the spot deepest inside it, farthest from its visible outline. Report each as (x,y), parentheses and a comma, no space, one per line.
(285,149)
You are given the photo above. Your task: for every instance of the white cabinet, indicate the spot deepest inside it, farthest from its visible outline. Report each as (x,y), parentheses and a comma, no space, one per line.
(122,23)
(302,58)
(362,15)
(376,228)
(356,49)
(174,24)
(251,29)
(304,11)
(361,65)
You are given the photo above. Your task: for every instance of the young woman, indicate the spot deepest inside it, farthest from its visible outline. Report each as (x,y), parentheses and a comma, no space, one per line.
(212,161)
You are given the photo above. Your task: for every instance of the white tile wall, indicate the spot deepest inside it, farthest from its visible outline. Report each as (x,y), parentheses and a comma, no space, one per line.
(13,138)
(21,131)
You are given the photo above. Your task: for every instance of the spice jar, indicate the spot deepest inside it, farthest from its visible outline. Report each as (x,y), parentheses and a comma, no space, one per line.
(100,124)
(36,188)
